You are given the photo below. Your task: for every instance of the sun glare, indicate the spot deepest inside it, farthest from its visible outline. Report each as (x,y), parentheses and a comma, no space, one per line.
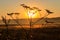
(31,13)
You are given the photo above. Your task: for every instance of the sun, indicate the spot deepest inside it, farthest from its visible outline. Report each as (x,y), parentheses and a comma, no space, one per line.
(31,13)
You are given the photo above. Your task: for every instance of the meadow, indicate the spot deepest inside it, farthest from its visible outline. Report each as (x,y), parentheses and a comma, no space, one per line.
(44,33)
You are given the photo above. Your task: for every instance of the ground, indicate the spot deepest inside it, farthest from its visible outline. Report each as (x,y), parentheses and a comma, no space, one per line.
(33,34)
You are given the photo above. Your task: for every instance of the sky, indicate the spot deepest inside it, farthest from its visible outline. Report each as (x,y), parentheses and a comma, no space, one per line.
(12,6)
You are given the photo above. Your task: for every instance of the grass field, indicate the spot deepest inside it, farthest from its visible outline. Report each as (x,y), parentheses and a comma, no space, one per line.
(33,34)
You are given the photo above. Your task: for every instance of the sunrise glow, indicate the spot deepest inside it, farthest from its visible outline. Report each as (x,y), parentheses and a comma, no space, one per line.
(31,13)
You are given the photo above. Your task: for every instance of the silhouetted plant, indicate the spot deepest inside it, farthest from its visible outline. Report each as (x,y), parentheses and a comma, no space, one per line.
(17,14)
(23,5)
(4,20)
(48,21)
(48,11)
(11,15)
(37,8)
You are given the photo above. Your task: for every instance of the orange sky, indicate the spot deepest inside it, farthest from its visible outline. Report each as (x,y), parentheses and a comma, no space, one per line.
(9,6)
